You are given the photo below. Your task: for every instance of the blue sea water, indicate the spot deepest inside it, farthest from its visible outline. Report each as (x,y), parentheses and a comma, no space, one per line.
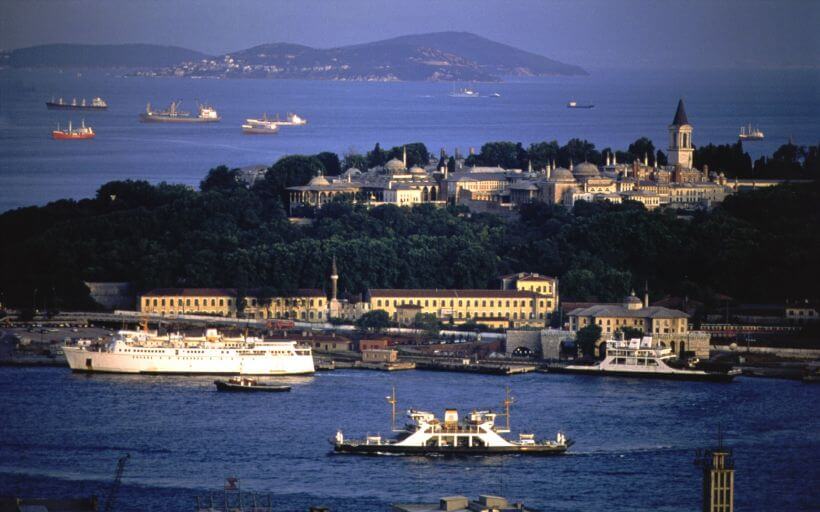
(354,116)
(61,433)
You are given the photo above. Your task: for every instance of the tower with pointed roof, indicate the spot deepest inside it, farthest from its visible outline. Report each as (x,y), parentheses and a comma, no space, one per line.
(680,139)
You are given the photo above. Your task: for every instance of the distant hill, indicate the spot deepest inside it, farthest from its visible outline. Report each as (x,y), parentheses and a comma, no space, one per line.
(101,56)
(442,56)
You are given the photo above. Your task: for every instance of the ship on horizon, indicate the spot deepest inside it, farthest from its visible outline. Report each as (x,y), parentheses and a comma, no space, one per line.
(750,134)
(207,114)
(575,104)
(60,104)
(71,133)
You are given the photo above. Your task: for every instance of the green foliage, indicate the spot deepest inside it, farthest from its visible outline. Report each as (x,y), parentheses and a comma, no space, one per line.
(417,154)
(427,322)
(586,337)
(353,160)
(376,157)
(288,171)
(509,155)
(220,179)
(330,162)
(642,147)
(374,321)
(631,332)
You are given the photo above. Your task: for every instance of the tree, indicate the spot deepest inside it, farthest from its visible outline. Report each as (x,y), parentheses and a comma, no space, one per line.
(417,154)
(354,161)
(577,150)
(509,155)
(642,147)
(543,153)
(220,179)
(331,163)
(427,322)
(631,332)
(288,171)
(377,157)
(374,321)
(586,338)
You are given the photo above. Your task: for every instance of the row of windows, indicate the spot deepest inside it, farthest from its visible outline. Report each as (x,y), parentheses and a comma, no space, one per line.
(213,302)
(461,303)
(286,302)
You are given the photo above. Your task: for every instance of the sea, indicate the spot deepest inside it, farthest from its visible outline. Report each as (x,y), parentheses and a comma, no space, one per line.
(635,440)
(354,116)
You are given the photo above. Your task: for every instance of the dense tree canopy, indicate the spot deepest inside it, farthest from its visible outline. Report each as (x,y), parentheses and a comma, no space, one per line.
(756,246)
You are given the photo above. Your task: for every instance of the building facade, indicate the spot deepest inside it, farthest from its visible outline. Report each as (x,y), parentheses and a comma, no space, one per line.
(189,301)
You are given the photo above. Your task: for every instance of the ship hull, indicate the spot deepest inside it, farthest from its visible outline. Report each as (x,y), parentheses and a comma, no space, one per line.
(63,106)
(372,449)
(166,361)
(259,131)
(65,136)
(688,376)
(145,118)
(222,385)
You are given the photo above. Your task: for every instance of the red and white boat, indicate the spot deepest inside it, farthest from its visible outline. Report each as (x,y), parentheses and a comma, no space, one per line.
(71,133)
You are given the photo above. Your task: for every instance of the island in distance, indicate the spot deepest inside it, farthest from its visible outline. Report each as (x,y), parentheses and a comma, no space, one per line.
(440,56)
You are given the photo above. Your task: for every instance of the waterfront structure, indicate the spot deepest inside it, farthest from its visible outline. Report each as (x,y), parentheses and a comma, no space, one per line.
(190,301)
(512,307)
(307,304)
(718,467)
(213,354)
(670,327)
(484,503)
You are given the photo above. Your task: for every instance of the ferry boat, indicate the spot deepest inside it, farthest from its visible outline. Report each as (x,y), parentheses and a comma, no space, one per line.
(260,126)
(96,104)
(575,104)
(71,133)
(291,119)
(477,434)
(645,358)
(207,114)
(750,134)
(174,353)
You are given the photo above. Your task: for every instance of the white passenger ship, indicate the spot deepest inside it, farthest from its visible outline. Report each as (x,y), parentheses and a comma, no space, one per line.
(478,434)
(646,358)
(211,354)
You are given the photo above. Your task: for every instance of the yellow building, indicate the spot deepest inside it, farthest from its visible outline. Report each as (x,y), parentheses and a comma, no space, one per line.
(189,301)
(309,305)
(533,282)
(459,306)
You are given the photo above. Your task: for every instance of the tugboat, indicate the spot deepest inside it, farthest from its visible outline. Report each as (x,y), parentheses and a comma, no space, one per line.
(645,358)
(96,104)
(426,435)
(750,134)
(246,384)
(83,132)
(207,114)
(574,104)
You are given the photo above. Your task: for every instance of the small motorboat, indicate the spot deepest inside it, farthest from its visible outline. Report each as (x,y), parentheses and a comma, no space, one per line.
(246,384)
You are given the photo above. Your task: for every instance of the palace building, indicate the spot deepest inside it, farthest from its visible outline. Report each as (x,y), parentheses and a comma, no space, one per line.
(189,301)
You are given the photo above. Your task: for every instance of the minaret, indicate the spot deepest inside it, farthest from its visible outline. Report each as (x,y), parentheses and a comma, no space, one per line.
(334,280)
(529,166)
(645,160)
(570,165)
(404,156)
(718,477)
(549,171)
(680,139)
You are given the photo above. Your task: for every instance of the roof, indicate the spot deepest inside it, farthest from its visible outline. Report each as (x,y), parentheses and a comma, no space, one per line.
(465,294)
(680,115)
(527,276)
(610,310)
(190,292)
(301,292)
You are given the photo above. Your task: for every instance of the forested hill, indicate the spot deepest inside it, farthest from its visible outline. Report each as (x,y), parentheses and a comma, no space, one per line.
(101,56)
(757,247)
(440,56)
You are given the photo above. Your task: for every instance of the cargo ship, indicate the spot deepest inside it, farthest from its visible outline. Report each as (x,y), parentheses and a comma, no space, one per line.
(96,104)
(575,104)
(71,133)
(290,120)
(147,352)
(477,434)
(207,114)
(750,134)
(645,358)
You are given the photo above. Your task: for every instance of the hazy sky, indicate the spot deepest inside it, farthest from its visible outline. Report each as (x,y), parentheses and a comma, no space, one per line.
(592,33)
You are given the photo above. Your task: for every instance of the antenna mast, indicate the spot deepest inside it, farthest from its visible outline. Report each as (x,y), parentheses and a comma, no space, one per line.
(392,401)
(508,400)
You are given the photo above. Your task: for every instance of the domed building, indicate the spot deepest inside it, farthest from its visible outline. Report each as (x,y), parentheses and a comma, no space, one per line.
(562,174)
(585,170)
(319,191)
(318,181)
(417,171)
(395,166)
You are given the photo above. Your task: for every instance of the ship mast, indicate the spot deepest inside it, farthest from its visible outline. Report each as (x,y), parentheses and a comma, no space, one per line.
(392,401)
(508,400)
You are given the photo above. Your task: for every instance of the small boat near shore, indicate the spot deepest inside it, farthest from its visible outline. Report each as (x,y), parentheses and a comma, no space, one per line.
(244,384)
(477,434)
(646,358)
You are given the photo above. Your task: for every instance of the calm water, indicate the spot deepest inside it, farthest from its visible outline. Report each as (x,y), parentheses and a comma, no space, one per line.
(34,169)
(61,433)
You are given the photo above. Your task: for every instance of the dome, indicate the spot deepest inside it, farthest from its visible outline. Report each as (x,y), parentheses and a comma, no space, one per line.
(394,165)
(417,170)
(586,170)
(353,171)
(318,181)
(561,174)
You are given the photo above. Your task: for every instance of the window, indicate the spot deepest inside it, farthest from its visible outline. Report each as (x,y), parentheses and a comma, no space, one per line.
(187,302)
(155,302)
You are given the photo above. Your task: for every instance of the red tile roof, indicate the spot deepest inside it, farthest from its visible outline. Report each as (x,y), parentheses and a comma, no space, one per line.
(456,294)
(190,292)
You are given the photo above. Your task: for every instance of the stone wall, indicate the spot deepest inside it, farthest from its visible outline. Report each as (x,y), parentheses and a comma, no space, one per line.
(551,342)
(530,339)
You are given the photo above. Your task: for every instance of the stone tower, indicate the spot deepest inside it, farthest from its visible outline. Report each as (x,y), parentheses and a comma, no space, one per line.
(718,477)
(680,139)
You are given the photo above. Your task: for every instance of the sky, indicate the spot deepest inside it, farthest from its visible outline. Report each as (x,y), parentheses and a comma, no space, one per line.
(590,33)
